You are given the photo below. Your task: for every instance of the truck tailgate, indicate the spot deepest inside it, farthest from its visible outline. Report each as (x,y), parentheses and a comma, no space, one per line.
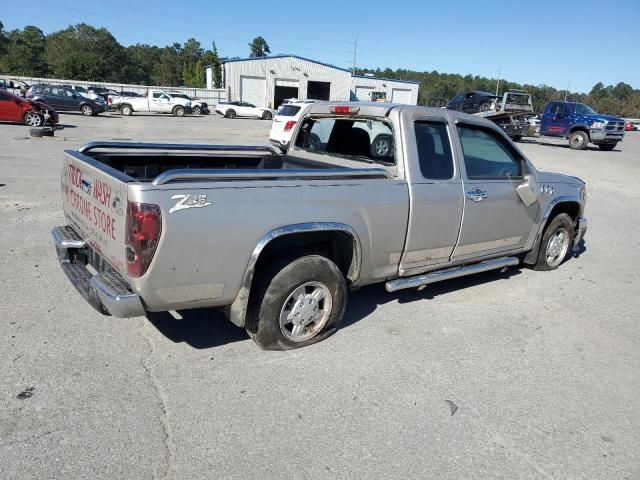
(94,204)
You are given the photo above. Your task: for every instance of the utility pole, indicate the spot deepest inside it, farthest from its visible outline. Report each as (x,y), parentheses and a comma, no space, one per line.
(498,82)
(355,49)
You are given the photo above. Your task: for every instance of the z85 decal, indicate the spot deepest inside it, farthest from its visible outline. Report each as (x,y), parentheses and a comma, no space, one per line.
(188,201)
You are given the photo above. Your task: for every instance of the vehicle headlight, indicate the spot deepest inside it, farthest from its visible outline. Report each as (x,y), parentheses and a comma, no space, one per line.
(598,125)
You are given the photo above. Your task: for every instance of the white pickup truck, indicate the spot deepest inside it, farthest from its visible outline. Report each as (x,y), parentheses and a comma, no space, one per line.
(157,101)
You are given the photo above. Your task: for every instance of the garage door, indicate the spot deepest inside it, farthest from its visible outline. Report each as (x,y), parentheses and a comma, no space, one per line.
(400,95)
(363,94)
(287,83)
(252,90)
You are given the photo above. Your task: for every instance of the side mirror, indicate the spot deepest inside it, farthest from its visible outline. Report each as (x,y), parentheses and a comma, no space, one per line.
(528,190)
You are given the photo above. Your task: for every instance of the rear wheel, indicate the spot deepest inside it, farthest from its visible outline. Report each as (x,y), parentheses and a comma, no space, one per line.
(578,140)
(485,107)
(178,111)
(126,110)
(231,113)
(86,110)
(517,138)
(33,119)
(296,302)
(607,147)
(556,243)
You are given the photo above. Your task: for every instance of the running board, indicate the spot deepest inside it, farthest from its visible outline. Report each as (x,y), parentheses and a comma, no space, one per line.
(455,272)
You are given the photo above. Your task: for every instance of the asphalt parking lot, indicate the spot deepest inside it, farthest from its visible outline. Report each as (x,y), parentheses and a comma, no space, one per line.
(522,374)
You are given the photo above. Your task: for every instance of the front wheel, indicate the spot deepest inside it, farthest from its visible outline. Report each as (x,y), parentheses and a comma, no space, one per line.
(33,119)
(296,302)
(267,115)
(382,146)
(556,243)
(196,111)
(178,111)
(578,140)
(607,147)
(87,110)
(230,113)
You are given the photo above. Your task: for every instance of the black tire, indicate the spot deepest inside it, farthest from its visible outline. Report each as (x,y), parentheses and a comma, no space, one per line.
(33,119)
(382,146)
(126,110)
(178,111)
(271,293)
(267,115)
(484,107)
(231,113)
(40,132)
(517,138)
(560,222)
(196,111)
(87,110)
(607,147)
(578,140)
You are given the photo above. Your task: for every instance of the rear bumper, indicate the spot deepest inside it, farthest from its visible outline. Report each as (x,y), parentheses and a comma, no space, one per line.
(106,291)
(581,230)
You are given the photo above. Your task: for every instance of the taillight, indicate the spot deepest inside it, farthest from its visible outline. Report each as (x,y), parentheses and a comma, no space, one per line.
(289,125)
(109,100)
(143,228)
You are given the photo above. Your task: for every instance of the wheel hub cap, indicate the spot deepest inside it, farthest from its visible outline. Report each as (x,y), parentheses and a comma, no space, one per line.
(557,247)
(305,311)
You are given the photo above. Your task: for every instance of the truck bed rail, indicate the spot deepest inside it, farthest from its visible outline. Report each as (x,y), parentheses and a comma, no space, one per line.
(175,146)
(239,174)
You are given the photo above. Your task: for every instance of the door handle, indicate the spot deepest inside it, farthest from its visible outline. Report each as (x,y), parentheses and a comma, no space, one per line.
(477,195)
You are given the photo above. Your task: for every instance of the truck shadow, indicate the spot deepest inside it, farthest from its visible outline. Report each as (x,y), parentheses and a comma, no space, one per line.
(561,145)
(366,300)
(199,328)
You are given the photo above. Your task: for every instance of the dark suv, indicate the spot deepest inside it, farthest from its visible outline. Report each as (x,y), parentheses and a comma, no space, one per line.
(66,100)
(472,102)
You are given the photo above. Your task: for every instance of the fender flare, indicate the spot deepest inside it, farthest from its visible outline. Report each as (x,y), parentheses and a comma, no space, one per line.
(237,311)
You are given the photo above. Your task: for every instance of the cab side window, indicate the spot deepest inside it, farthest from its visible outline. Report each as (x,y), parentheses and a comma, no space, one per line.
(434,150)
(487,155)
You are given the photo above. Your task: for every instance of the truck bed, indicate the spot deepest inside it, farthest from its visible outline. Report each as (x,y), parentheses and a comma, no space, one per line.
(161,163)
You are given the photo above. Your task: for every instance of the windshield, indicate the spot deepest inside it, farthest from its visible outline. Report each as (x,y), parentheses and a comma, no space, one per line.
(582,109)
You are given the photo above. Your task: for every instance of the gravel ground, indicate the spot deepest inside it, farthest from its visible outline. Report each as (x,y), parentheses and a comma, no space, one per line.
(516,375)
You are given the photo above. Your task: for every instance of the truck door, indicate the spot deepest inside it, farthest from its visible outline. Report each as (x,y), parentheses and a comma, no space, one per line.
(495,218)
(555,120)
(435,192)
(160,102)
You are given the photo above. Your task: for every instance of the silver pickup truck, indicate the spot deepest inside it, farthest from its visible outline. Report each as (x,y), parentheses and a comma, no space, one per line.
(367,192)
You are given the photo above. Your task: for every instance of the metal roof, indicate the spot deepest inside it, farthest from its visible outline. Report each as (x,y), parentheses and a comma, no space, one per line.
(319,63)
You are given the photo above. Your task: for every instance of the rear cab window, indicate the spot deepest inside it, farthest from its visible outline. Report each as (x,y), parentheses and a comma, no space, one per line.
(434,150)
(361,139)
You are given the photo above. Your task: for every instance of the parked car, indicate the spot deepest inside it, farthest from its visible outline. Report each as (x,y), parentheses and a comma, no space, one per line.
(473,102)
(286,118)
(102,92)
(157,101)
(630,127)
(66,100)
(17,87)
(198,107)
(83,91)
(276,241)
(22,110)
(581,124)
(243,109)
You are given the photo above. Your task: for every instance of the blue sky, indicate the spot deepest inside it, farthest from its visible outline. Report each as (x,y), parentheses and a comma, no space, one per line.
(553,43)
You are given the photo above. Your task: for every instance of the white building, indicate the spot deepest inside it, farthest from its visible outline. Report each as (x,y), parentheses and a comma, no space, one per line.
(267,81)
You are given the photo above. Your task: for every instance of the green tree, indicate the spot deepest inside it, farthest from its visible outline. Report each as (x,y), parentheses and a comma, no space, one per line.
(24,52)
(168,70)
(139,63)
(211,58)
(4,41)
(85,53)
(258,48)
